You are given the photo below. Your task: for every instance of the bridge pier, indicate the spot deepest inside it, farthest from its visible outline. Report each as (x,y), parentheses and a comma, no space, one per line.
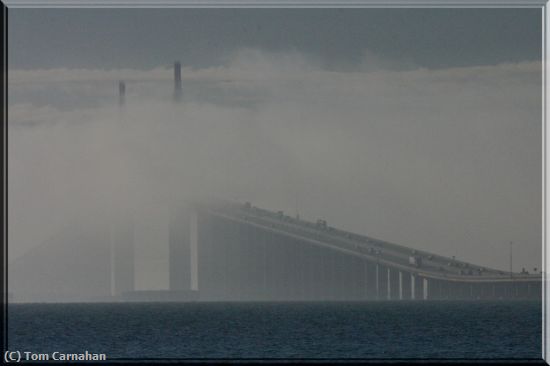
(384,283)
(269,270)
(261,237)
(299,266)
(413,287)
(357,278)
(443,289)
(435,289)
(287,271)
(237,277)
(290,280)
(378,283)
(212,244)
(346,280)
(389,284)
(394,284)
(179,248)
(366,279)
(247,250)
(464,291)
(317,285)
(538,290)
(425,289)
(501,290)
(307,284)
(372,280)
(207,275)
(307,274)
(329,280)
(482,291)
(400,285)
(339,275)
(255,262)
(406,286)
(453,290)
(489,291)
(281,264)
(476,293)
(417,287)
(277,267)
(518,290)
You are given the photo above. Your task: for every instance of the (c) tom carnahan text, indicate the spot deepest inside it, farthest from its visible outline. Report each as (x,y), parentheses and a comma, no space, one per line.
(18,356)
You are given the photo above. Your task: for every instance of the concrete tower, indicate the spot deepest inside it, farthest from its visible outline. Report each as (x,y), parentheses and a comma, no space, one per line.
(122,255)
(180,249)
(121,93)
(177,81)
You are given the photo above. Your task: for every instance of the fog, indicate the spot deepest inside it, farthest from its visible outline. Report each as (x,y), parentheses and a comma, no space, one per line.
(447,161)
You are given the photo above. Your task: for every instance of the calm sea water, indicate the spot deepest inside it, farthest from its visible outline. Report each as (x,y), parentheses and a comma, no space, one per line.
(473,330)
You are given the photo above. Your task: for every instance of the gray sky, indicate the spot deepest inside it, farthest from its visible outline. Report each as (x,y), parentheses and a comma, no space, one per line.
(337,38)
(418,126)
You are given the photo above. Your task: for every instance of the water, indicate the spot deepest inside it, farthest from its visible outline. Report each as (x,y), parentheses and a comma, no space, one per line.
(373,330)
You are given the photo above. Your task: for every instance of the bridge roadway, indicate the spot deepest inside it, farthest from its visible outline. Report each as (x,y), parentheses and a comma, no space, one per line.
(389,254)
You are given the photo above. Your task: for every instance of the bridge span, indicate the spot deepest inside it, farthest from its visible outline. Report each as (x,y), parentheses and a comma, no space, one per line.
(232,251)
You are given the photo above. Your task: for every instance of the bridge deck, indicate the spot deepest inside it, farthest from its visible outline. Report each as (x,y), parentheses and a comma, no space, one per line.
(390,254)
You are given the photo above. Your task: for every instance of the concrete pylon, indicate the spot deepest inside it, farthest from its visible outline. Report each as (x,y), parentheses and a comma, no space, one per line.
(121,93)
(388,295)
(177,82)
(400,285)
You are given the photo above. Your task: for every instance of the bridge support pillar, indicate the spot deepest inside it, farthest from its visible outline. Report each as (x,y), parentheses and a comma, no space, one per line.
(400,285)
(383,282)
(366,279)
(425,289)
(263,250)
(193,252)
(417,287)
(329,262)
(389,284)
(413,287)
(406,281)
(377,281)
(370,283)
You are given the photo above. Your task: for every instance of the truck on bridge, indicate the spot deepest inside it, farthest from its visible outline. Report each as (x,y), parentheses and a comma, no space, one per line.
(415,260)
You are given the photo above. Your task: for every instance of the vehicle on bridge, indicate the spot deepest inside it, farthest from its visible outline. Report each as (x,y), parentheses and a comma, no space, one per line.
(415,260)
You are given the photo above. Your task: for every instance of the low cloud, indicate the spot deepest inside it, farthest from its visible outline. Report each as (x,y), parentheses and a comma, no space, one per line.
(447,161)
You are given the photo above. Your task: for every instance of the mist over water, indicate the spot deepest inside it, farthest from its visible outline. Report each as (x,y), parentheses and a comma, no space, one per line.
(445,161)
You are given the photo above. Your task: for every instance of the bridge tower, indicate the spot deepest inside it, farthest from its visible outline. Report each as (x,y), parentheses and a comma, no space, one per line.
(122,255)
(177,82)
(121,93)
(183,249)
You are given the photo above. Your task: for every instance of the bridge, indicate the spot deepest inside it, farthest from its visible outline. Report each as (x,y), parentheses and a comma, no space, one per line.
(235,251)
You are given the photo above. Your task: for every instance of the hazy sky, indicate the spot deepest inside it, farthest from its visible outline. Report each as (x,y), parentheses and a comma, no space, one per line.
(336,38)
(418,126)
